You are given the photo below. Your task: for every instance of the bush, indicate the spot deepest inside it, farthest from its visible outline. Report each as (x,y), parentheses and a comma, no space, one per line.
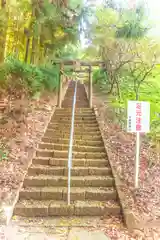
(100,77)
(19,78)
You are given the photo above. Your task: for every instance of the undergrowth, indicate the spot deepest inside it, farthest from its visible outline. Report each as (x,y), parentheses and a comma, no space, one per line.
(18,78)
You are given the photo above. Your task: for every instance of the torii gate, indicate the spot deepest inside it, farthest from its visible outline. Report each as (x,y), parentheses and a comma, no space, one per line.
(75,64)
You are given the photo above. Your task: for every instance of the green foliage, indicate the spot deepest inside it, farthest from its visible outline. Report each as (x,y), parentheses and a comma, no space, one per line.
(22,76)
(58,26)
(50,77)
(149,91)
(131,30)
(132,25)
(118,38)
(100,77)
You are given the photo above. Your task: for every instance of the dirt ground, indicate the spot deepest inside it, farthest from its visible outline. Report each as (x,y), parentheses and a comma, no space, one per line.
(21,145)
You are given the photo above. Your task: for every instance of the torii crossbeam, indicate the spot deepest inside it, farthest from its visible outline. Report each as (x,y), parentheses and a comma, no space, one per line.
(77,64)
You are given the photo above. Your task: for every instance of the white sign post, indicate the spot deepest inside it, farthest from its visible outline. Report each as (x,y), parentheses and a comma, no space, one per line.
(138,121)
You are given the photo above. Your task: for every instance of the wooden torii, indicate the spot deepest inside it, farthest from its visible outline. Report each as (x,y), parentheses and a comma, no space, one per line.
(75,64)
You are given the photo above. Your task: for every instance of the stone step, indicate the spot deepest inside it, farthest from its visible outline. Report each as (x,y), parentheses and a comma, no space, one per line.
(64,128)
(76,171)
(77,110)
(69,104)
(33,208)
(69,97)
(64,154)
(68,125)
(75,162)
(88,132)
(75,142)
(65,147)
(60,193)
(83,118)
(77,114)
(79,101)
(80,105)
(76,136)
(62,181)
(77,121)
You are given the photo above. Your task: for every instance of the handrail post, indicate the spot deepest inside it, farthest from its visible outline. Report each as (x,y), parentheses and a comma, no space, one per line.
(71,145)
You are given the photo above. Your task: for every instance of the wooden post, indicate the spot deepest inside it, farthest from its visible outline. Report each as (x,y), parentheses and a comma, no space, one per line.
(60,87)
(90,87)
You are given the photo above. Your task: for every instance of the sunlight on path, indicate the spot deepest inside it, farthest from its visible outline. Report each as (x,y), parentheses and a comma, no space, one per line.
(59,233)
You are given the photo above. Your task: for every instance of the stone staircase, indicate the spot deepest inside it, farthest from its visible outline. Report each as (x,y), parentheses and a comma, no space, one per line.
(93,192)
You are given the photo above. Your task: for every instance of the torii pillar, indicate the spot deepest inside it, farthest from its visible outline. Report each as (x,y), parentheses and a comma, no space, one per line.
(90,87)
(60,86)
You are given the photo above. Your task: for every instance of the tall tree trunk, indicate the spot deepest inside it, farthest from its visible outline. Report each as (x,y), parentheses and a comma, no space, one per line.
(27,49)
(3,34)
(118,90)
(111,88)
(40,50)
(33,53)
(34,40)
(45,51)
(3,3)
(16,48)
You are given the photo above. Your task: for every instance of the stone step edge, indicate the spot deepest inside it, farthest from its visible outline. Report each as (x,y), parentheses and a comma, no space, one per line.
(76,124)
(84,178)
(77,114)
(43,180)
(87,121)
(76,127)
(84,119)
(67,145)
(81,110)
(76,137)
(49,160)
(60,193)
(76,132)
(60,208)
(78,141)
(64,169)
(64,151)
(75,154)
(74,189)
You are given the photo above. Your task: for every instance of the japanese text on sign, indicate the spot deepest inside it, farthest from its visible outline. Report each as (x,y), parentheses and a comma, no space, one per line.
(138,116)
